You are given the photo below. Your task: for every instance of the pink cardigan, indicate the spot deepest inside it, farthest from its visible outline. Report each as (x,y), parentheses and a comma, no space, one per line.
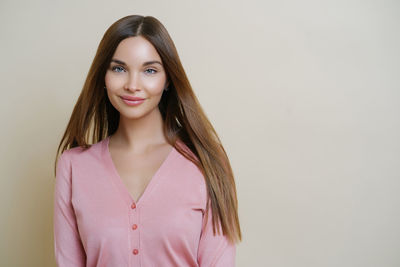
(98,224)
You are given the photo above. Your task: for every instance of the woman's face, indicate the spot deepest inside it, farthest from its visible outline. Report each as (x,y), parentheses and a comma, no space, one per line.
(135,70)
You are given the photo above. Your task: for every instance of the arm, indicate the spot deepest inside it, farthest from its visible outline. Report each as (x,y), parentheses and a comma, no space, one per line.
(67,244)
(215,251)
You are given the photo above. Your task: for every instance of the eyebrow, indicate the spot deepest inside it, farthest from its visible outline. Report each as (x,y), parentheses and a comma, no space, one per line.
(144,64)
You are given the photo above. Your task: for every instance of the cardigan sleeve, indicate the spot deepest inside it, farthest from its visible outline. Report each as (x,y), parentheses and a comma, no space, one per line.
(68,247)
(215,251)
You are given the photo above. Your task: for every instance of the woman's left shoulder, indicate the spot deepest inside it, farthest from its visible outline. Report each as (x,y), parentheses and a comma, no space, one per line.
(187,166)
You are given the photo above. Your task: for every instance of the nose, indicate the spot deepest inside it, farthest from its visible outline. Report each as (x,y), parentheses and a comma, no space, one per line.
(133,82)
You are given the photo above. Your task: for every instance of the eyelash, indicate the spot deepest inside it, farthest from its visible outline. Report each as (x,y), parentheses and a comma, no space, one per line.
(114,69)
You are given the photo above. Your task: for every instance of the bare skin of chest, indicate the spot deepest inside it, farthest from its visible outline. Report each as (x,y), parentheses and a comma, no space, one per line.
(137,170)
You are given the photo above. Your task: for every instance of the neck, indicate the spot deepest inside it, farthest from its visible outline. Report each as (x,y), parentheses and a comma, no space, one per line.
(138,135)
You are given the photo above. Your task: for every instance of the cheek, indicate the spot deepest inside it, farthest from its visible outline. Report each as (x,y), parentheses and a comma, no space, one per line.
(111,96)
(113,81)
(155,89)
(154,86)
(107,78)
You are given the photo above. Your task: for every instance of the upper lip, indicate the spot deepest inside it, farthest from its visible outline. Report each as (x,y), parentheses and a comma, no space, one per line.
(132,97)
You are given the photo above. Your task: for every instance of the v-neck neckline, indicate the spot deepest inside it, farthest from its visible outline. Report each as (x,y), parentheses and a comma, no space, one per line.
(126,195)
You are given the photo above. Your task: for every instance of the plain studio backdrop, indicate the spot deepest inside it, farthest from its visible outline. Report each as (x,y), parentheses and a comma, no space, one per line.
(305,96)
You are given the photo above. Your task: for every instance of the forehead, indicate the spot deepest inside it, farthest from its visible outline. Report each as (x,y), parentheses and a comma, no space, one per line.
(135,50)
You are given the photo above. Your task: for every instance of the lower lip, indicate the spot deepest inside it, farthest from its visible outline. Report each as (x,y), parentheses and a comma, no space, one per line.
(133,102)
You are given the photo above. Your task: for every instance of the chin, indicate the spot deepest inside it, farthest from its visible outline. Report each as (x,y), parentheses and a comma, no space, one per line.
(135,114)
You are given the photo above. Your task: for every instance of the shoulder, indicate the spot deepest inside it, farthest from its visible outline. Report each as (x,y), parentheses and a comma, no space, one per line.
(81,154)
(184,163)
(189,171)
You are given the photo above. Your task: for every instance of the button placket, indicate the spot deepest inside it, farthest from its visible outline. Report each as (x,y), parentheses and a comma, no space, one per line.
(134,234)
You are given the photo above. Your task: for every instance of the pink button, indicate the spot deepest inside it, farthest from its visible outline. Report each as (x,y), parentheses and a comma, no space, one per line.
(134,226)
(135,251)
(133,205)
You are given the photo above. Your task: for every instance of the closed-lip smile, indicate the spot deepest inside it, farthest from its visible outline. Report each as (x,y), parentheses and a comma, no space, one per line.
(132,98)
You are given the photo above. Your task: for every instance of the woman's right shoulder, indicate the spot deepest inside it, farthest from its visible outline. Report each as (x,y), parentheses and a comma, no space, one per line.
(80,158)
(83,155)
(70,152)
(76,152)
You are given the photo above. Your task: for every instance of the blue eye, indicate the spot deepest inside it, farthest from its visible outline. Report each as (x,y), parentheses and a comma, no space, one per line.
(154,71)
(117,68)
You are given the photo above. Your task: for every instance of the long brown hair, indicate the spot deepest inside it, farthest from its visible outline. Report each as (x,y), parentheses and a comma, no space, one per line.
(95,117)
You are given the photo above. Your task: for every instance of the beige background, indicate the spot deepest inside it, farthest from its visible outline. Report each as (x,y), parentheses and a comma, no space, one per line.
(304,95)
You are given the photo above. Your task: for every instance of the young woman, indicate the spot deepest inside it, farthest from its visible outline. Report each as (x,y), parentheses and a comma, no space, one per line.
(155,187)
